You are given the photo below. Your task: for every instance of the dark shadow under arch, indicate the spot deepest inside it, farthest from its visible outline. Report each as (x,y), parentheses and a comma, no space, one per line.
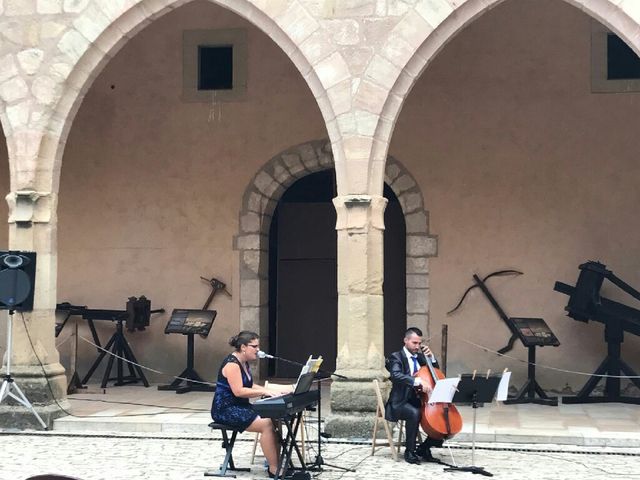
(303,301)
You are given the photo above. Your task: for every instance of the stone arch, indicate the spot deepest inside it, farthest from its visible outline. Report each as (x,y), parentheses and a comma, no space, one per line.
(102,42)
(260,200)
(445,23)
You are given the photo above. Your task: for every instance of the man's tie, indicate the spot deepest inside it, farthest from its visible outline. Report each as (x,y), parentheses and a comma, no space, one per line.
(415,364)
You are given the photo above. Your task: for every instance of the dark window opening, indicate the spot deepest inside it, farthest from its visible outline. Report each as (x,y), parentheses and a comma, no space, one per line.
(622,61)
(215,67)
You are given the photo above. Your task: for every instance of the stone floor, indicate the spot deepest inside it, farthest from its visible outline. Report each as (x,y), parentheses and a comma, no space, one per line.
(146,410)
(144,457)
(141,433)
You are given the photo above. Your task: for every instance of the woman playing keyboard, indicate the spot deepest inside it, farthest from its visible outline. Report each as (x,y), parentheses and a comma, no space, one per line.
(234,389)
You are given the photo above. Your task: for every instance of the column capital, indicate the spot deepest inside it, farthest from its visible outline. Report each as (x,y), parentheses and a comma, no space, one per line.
(29,206)
(359,212)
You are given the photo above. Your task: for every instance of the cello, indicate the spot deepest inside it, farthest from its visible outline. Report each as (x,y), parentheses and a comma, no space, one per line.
(440,421)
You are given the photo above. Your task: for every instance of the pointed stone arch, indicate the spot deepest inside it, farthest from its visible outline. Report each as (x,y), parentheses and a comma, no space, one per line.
(260,200)
(98,35)
(429,26)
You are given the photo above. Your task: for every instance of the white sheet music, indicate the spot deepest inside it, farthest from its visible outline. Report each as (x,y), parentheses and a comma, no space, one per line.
(312,365)
(444,390)
(503,387)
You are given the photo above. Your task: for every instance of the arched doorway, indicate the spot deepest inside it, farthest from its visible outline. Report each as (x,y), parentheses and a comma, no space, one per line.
(303,297)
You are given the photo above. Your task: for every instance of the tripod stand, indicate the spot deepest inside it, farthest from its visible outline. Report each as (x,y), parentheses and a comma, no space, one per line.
(319,461)
(120,349)
(9,383)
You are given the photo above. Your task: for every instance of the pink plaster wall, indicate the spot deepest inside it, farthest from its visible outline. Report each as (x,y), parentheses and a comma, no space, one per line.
(523,167)
(150,189)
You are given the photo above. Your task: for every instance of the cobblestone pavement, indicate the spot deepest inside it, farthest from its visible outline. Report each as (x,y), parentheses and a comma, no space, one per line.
(142,457)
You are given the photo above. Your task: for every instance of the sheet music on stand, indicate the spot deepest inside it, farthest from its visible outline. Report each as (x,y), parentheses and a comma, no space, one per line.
(312,366)
(477,389)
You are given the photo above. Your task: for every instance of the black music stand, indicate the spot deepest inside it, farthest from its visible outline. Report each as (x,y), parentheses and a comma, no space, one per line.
(190,322)
(533,332)
(475,389)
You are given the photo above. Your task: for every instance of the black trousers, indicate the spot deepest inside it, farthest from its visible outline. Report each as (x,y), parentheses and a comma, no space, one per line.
(410,413)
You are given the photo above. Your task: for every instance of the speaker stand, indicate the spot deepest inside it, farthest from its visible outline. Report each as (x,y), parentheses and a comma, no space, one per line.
(9,383)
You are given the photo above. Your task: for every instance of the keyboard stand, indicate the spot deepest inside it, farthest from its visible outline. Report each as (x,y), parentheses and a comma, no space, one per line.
(289,443)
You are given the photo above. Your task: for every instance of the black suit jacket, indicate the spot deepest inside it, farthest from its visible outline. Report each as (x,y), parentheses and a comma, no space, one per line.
(402,382)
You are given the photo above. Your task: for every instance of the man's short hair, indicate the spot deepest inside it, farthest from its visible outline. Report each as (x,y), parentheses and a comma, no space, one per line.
(412,330)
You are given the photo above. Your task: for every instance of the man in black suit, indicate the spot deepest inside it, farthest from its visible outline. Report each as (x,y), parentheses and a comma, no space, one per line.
(403,403)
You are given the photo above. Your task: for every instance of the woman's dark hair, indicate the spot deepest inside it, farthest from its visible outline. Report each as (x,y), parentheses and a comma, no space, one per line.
(243,338)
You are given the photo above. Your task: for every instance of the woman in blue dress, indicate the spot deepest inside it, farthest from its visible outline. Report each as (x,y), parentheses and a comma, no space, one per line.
(234,389)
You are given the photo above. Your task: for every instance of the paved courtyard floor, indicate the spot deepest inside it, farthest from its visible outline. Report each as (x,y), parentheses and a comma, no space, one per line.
(126,458)
(141,433)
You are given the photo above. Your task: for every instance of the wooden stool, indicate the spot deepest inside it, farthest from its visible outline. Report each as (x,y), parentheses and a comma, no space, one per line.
(227,444)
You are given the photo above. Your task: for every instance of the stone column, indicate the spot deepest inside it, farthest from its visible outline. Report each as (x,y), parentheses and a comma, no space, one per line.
(35,363)
(360,225)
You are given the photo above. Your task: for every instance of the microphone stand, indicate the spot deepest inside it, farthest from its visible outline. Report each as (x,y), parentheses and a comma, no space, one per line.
(319,461)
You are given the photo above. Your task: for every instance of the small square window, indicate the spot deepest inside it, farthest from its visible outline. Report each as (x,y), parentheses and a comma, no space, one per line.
(215,67)
(615,67)
(622,62)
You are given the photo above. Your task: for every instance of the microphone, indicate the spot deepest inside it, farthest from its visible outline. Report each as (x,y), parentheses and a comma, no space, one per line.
(262,354)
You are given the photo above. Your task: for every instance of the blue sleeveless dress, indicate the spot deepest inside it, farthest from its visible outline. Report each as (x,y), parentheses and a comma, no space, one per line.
(228,409)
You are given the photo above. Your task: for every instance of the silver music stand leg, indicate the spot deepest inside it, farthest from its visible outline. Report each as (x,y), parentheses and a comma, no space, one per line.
(9,383)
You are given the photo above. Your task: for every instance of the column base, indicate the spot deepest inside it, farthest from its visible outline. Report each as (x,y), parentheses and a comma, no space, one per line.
(350,424)
(353,406)
(21,418)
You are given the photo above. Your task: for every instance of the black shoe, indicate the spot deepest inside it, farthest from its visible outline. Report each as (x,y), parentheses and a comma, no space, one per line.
(424,453)
(411,457)
(427,457)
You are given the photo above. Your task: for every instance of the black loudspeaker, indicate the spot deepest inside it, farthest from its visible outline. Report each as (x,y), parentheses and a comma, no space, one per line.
(17,280)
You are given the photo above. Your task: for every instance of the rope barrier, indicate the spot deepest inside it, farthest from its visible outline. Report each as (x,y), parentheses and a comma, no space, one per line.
(454,337)
(142,366)
(548,367)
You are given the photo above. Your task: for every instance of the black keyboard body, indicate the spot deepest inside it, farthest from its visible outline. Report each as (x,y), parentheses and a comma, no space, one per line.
(286,405)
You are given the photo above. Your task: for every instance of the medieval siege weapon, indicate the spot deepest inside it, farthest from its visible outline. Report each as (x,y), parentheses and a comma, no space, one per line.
(136,316)
(532,332)
(586,303)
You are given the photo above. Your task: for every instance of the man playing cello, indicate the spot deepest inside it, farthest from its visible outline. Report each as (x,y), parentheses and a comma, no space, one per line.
(404,403)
